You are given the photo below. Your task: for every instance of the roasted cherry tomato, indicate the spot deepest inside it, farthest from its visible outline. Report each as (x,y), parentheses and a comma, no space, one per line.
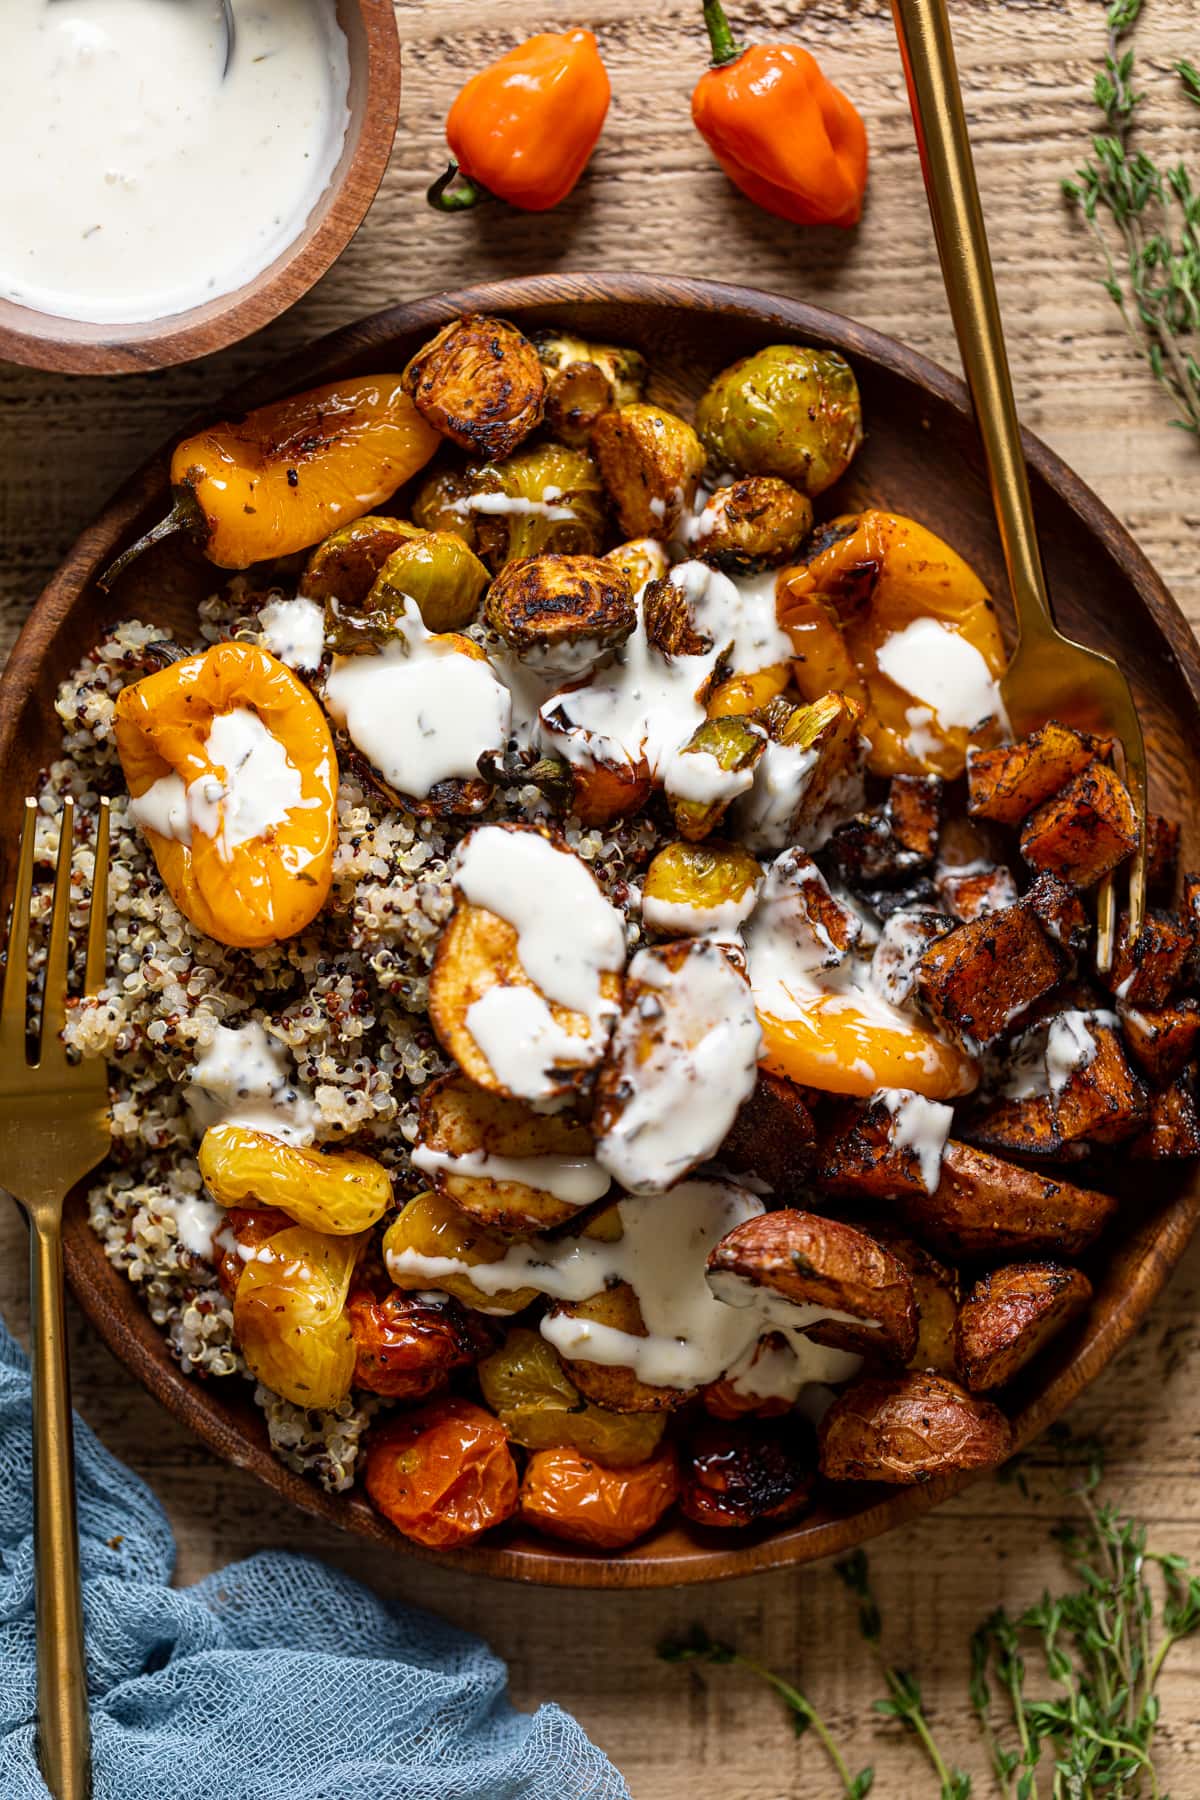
(570,1496)
(755,1472)
(407,1346)
(442,1474)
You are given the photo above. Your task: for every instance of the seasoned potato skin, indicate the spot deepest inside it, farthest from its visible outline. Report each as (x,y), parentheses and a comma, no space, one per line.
(757,521)
(748,1472)
(611,1384)
(651,461)
(1085,830)
(1010,1315)
(937,1289)
(985,1206)
(809,1260)
(786,411)
(909,1428)
(480,383)
(570,1496)
(551,604)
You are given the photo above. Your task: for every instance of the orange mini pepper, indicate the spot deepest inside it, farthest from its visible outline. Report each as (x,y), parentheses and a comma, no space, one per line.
(245,849)
(782,133)
(522,129)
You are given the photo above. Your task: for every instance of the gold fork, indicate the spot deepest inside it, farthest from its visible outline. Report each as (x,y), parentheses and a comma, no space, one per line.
(1049,676)
(53,1129)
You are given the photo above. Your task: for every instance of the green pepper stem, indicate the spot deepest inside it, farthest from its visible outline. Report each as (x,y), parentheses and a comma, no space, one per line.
(466,195)
(725,47)
(185,515)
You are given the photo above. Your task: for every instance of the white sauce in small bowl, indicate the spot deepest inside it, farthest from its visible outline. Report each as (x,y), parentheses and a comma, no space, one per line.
(141,179)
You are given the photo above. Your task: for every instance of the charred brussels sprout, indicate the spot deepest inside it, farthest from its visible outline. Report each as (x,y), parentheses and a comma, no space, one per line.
(584,380)
(345,565)
(651,461)
(757,520)
(549,499)
(561,613)
(786,411)
(443,503)
(697,888)
(716,765)
(436,569)
(479,383)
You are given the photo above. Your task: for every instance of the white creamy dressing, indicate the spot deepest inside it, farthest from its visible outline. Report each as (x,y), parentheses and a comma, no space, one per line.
(924,740)
(685,918)
(294,631)
(919,1125)
(686,1053)
(903,941)
(260,786)
(568,937)
(944,673)
(513,505)
(780,1368)
(141,179)
(197,1221)
(696,775)
(1044,1059)
(575,1180)
(767,818)
(420,710)
(244,1077)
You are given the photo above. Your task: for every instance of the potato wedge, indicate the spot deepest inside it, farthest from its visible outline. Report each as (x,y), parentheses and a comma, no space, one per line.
(1006,784)
(612,1384)
(773,1135)
(748,1472)
(908,1428)
(985,1206)
(1085,831)
(808,1264)
(978,980)
(480,383)
(937,1290)
(651,461)
(1010,1315)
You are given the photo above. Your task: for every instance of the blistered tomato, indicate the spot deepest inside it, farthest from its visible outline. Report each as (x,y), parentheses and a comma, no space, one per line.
(442,1474)
(568,1495)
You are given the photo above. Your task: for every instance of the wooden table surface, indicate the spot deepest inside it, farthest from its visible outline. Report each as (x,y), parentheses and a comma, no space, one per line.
(654,201)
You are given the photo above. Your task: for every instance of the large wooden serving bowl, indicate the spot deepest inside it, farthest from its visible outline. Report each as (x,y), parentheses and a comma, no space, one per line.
(920,457)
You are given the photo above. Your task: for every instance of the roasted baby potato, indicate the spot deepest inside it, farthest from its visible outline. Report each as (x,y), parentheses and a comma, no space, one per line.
(773,1135)
(430,1230)
(584,380)
(561,614)
(340,1191)
(612,1385)
(289,1316)
(706,776)
(751,524)
(883,1149)
(752,1472)
(908,1428)
(443,1473)
(811,758)
(1149,968)
(344,565)
(437,569)
(1161,1039)
(643,560)
(985,1206)
(570,1495)
(803,1260)
(786,411)
(485,1153)
(937,1291)
(651,461)
(1085,830)
(480,383)
(1173,1126)
(700,889)
(977,980)
(527,1386)
(1010,1315)
(1006,783)
(687,1041)
(408,1345)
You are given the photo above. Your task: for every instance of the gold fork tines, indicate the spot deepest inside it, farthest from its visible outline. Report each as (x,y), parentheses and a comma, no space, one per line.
(53,1130)
(1049,676)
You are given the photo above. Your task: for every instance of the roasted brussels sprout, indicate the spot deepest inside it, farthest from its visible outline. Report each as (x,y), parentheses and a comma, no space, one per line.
(289,1316)
(527,1387)
(479,383)
(755,521)
(643,559)
(571,1496)
(669,616)
(705,777)
(749,1473)
(443,1473)
(547,499)
(408,1345)
(561,614)
(584,380)
(787,411)
(700,890)
(438,570)
(340,1191)
(432,1230)
(651,461)
(809,762)
(344,565)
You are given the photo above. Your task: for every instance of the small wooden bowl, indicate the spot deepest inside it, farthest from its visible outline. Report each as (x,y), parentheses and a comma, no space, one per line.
(921,456)
(44,341)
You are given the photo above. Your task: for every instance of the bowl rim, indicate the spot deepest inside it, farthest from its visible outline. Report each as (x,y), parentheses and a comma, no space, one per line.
(114,1307)
(61,345)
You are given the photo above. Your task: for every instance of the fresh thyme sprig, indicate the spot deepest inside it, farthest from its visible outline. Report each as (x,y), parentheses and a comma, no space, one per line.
(1154,275)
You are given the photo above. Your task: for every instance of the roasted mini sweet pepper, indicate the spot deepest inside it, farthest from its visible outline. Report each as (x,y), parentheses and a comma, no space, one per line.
(782,133)
(522,129)
(233,778)
(286,475)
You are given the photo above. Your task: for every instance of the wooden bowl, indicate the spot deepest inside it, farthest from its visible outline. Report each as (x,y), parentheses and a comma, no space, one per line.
(920,456)
(44,341)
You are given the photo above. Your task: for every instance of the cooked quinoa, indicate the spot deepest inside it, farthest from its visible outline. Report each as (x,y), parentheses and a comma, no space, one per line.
(345,1000)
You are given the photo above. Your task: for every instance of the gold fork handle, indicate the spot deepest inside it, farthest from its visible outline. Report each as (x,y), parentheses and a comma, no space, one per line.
(64,1737)
(927,50)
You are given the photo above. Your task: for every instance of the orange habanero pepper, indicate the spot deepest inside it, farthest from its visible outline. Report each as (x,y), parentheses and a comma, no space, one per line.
(782,133)
(233,775)
(522,129)
(284,476)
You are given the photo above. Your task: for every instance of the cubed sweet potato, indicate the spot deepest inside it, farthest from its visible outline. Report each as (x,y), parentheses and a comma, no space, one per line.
(1102,1101)
(1059,911)
(1162,856)
(914,810)
(980,978)
(1173,1129)
(909,1428)
(971,892)
(1007,783)
(865,850)
(1149,968)
(864,1152)
(1161,1039)
(985,1206)
(1010,1315)
(1024,1127)
(773,1135)
(1085,830)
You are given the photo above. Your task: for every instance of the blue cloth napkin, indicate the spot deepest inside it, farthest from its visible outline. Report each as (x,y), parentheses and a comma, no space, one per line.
(277,1679)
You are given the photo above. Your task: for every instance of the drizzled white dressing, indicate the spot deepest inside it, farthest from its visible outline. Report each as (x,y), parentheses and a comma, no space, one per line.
(942,671)
(919,1125)
(244,1077)
(294,631)
(575,1180)
(261,786)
